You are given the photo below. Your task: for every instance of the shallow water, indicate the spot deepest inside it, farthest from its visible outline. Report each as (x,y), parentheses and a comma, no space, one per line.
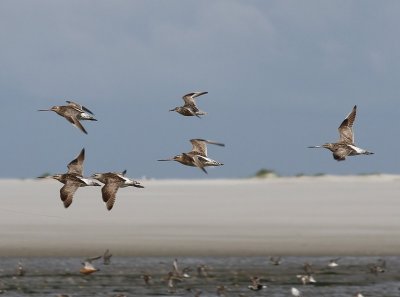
(53,276)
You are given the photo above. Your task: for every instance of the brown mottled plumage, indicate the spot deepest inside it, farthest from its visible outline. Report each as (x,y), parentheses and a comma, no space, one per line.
(345,146)
(190,108)
(73,179)
(112,182)
(73,113)
(197,156)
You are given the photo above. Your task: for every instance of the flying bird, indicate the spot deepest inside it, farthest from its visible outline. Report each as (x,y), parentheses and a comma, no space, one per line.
(73,179)
(345,146)
(190,108)
(88,267)
(197,157)
(73,113)
(112,182)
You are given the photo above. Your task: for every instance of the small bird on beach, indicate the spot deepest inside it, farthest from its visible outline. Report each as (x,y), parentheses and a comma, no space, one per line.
(275,260)
(73,179)
(107,257)
(177,272)
(378,267)
(197,157)
(112,182)
(256,284)
(345,146)
(295,292)
(202,270)
(73,113)
(146,278)
(307,267)
(88,267)
(333,263)
(306,278)
(190,108)
(221,290)
(171,280)
(20,269)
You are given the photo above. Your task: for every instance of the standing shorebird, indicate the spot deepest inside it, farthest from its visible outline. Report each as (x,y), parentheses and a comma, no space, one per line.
(190,108)
(345,146)
(306,279)
(112,182)
(73,112)
(295,292)
(73,179)
(107,257)
(197,156)
(275,260)
(256,284)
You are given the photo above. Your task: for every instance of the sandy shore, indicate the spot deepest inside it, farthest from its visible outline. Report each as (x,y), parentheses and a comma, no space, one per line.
(355,215)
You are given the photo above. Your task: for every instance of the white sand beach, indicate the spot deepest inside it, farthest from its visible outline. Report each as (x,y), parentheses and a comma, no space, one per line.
(329,215)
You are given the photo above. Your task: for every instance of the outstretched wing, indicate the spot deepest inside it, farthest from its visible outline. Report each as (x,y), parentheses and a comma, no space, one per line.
(346,128)
(76,165)
(189,98)
(74,121)
(200,146)
(78,106)
(109,193)
(67,192)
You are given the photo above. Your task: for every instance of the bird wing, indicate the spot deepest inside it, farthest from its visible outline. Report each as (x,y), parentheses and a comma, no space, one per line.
(76,165)
(67,192)
(109,193)
(79,106)
(200,146)
(346,128)
(90,260)
(74,121)
(189,98)
(198,163)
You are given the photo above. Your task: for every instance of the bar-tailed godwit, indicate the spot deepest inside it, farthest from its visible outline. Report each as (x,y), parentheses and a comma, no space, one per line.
(73,179)
(73,113)
(197,156)
(112,182)
(190,108)
(345,146)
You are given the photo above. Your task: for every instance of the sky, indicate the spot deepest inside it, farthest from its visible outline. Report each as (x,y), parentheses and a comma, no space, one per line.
(281,76)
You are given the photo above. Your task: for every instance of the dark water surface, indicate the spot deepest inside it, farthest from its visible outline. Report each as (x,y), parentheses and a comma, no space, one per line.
(54,276)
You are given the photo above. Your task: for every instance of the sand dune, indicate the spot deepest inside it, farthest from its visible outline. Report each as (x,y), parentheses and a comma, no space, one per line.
(353,215)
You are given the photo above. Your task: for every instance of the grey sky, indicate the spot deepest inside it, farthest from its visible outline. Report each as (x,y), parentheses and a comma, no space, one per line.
(281,75)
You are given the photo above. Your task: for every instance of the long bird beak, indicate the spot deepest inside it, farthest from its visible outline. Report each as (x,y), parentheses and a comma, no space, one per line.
(44,110)
(170,159)
(315,146)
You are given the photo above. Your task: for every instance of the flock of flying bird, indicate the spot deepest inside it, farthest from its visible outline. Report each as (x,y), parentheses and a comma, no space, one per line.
(73,179)
(197,157)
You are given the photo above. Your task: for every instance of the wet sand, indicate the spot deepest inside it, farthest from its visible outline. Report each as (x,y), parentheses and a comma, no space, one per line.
(353,215)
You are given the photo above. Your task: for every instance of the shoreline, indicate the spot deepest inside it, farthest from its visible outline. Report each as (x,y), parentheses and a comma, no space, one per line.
(287,216)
